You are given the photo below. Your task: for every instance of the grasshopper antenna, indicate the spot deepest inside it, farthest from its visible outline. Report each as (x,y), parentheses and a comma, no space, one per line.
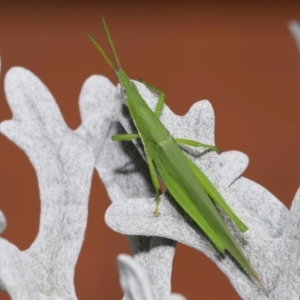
(111,45)
(103,53)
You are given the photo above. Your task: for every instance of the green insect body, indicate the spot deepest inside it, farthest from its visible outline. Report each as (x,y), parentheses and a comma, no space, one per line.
(189,186)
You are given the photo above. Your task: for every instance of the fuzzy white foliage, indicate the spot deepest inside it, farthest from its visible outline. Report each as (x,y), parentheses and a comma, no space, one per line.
(64,160)
(134,281)
(2,222)
(294,28)
(64,163)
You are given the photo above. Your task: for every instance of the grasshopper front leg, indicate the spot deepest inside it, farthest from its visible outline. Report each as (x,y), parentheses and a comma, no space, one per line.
(161,97)
(155,182)
(158,109)
(125,137)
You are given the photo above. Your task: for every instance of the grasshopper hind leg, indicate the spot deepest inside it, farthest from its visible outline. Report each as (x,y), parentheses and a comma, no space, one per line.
(197,144)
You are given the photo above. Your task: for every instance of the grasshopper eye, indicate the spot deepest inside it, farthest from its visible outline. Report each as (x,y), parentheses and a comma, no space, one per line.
(123,92)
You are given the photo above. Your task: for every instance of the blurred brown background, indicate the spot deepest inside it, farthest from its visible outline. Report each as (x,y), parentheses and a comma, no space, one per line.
(240,56)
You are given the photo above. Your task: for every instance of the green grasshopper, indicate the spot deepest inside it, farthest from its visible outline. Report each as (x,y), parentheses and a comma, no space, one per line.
(189,186)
